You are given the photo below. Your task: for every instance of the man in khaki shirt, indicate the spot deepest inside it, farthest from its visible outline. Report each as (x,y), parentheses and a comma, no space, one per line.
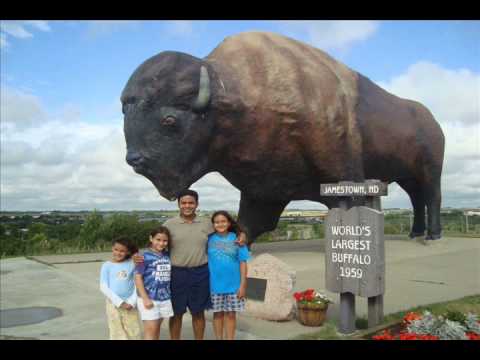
(190,278)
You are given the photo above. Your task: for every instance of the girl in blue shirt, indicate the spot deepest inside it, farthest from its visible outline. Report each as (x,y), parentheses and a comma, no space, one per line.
(227,263)
(117,284)
(152,278)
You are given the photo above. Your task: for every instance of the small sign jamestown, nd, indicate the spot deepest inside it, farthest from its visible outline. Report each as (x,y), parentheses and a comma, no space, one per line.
(349,188)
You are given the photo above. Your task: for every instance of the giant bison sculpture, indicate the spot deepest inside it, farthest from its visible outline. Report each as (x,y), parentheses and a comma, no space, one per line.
(277,117)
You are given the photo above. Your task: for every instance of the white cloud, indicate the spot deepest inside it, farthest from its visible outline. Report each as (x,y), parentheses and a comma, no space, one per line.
(15,153)
(15,29)
(59,163)
(106,27)
(453,97)
(70,166)
(331,34)
(4,44)
(39,24)
(18,29)
(20,108)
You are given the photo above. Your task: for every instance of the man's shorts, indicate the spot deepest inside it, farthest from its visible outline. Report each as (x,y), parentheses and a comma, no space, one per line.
(160,309)
(190,287)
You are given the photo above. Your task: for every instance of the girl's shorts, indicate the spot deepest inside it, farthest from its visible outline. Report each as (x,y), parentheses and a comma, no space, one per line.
(227,302)
(160,309)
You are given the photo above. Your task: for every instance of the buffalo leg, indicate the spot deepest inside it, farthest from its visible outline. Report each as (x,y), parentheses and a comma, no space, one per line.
(433,201)
(257,217)
(415,192)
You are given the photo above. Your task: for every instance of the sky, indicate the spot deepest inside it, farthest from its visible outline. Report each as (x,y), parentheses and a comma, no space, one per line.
(62,144)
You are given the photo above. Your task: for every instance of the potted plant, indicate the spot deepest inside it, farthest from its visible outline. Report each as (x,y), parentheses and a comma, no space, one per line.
(312,307)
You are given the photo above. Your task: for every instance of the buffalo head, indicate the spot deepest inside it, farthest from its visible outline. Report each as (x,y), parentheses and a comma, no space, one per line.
(165,123)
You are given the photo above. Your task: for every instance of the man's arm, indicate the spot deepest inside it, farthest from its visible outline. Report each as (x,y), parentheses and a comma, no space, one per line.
(241,239)
(137,259)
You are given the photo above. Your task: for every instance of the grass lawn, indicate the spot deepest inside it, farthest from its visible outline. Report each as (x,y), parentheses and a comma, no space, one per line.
(329,330)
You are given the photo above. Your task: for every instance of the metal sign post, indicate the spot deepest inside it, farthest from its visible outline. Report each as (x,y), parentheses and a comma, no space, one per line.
(347,299)
(354,251)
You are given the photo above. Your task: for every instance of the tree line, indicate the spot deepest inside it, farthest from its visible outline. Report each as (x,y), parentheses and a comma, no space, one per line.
(95,234)
(98,231)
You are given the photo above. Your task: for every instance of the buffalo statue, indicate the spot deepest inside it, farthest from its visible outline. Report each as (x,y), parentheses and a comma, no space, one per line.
(277,117)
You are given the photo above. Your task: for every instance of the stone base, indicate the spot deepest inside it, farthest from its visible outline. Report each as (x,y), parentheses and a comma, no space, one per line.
(279,304)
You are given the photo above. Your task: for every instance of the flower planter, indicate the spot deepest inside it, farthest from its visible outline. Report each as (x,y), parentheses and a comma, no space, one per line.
(428,327)
(311,315)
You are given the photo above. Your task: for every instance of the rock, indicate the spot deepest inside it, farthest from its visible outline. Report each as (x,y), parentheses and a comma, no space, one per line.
(279,303)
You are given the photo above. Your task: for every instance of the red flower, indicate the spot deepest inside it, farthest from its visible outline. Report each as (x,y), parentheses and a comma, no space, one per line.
(413,336)
(408,336)
(473,336)
(411,316)
(309,297)
(309,292)
(384,336)
(429,337)
(298,296)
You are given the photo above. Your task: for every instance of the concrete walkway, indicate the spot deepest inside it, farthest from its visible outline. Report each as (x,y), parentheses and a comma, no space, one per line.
(415,275)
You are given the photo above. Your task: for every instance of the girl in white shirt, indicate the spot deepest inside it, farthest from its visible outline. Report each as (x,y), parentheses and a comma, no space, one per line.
(118,285)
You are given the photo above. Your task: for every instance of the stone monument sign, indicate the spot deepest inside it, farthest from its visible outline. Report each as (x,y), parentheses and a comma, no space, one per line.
(278,302)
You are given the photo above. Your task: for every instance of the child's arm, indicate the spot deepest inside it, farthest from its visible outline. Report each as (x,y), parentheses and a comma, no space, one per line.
(105,289)
(243,280)
(147,302)
(241,239)
(243,257)
(132,300)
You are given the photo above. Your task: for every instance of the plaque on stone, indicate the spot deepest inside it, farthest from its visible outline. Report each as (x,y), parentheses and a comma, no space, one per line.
(256,289)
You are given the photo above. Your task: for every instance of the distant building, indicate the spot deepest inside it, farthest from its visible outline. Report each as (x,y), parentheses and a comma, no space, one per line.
(291,214)
(305,214)
(397,211)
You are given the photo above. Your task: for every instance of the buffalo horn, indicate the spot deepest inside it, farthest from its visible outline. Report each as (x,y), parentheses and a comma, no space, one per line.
(204,90)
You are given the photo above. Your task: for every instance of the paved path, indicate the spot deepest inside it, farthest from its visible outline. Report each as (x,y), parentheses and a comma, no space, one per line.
(415,275)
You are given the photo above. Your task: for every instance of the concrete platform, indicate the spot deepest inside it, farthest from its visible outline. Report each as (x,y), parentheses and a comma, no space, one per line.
(415,275)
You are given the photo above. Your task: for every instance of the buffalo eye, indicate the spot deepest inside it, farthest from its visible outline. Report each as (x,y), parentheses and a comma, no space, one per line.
(168,121)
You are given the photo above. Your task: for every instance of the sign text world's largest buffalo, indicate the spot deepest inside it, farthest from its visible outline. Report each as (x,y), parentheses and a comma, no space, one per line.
(355,252)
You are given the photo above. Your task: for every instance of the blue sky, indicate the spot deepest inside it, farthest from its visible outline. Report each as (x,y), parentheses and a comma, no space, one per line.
(61,82)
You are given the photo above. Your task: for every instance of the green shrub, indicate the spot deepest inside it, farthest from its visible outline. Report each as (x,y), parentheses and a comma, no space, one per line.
(454,315)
